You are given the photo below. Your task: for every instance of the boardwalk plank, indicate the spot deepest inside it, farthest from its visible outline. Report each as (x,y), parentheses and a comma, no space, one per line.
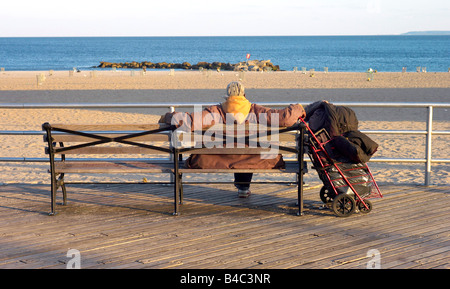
(131,226)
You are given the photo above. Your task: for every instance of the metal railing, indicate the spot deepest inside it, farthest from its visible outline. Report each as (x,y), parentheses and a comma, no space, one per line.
(429,132)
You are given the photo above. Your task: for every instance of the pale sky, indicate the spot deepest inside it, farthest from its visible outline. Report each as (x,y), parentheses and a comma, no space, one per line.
(220,18)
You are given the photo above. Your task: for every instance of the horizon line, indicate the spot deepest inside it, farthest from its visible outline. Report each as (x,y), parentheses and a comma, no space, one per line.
(409,33)
(155,36)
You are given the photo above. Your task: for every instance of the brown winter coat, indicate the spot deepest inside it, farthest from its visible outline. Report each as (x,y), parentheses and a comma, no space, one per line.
(216,114)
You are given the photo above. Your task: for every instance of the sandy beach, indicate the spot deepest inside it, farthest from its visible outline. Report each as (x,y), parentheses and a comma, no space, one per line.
(136,79)
(33,146)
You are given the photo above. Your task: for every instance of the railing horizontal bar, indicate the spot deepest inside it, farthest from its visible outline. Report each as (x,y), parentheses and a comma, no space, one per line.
(88,105)
(440,132)
(396,160)
(166,105)
(23,160)
(393,160)
(46,160)
(20,132)
(440,160)
(422,132)
(120,183)
(38,132)
(394,131)
(30,132)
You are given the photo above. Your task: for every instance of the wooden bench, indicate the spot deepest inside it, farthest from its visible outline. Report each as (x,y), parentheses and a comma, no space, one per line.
(106,140)
(155,140)
(286,141)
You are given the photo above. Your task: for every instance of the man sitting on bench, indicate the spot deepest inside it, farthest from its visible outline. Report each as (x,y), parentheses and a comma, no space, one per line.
(236,109)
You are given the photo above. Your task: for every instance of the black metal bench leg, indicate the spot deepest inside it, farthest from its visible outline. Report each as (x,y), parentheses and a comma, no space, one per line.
(180,184)
(300,194)
(176,185)
(176,196)
(53,196)
(54,182)
(63,188)
(301,171)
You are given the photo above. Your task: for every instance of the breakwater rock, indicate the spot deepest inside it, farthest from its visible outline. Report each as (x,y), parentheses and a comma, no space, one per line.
(251,65)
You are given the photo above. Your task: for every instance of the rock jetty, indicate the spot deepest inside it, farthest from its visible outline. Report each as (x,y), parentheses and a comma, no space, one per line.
(251,65)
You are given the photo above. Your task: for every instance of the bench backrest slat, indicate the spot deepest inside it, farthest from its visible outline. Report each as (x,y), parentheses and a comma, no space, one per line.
(157,137)
(107,127)
(81,138)
(282,137)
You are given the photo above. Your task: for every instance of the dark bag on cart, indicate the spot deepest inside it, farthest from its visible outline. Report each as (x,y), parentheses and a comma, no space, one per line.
(355,146)
(336,120)
(358,176)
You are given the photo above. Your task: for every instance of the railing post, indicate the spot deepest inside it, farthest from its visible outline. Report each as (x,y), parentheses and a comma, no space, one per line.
(172,178)
(428,146)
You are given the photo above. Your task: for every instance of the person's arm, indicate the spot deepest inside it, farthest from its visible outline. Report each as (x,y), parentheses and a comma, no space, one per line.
(191,121)
(286,117)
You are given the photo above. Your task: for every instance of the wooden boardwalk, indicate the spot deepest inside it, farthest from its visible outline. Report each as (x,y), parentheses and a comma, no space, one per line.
(131,226)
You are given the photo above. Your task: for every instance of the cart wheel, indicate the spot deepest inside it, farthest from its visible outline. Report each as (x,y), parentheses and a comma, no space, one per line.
(327,195)
(344,205)
(363,209)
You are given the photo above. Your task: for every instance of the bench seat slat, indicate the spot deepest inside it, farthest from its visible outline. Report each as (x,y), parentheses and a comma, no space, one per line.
(228,151)
(236,151)
(291,167)
(113,150)
(152,167)
(256,171)
(113,167)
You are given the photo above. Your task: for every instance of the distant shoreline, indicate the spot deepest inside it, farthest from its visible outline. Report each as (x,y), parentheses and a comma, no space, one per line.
(427,33)
(109,69)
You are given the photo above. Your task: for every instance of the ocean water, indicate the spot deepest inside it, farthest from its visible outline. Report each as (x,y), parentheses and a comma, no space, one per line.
(338,53)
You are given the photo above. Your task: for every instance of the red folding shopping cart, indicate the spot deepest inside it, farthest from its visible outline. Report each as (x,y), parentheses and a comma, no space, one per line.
(347,186)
